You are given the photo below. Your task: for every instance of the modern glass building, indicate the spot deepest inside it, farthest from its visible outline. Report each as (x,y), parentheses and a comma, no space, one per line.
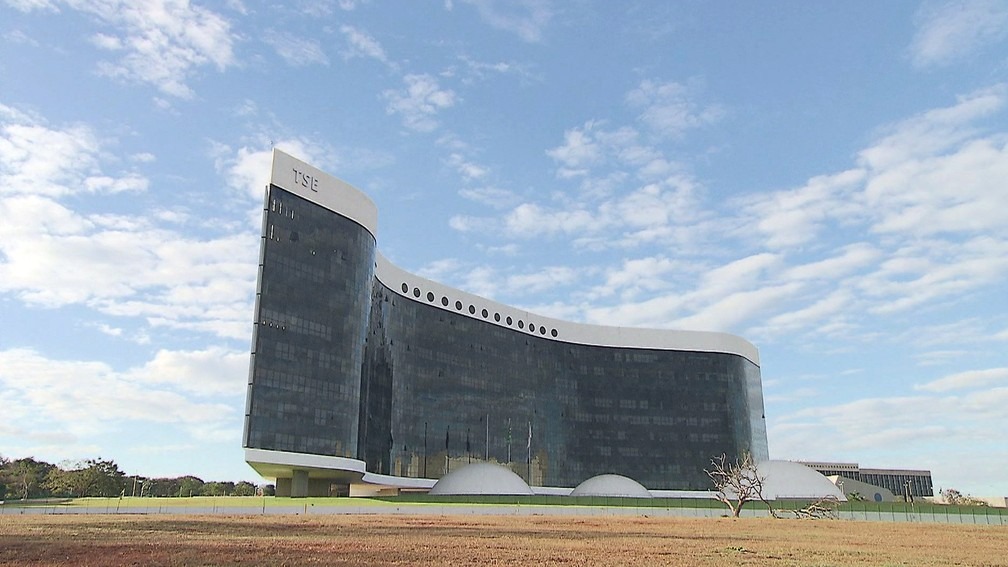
(363,374)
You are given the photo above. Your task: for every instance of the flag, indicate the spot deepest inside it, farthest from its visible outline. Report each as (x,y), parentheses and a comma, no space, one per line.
(529,446)
(447,429)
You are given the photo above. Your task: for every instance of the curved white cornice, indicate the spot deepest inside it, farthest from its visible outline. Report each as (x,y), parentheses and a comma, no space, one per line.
(579,333)
(280,464)
(325,190)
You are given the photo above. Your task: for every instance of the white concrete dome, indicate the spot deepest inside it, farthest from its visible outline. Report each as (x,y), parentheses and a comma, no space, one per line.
(481,478)
(611,485)
(788,479)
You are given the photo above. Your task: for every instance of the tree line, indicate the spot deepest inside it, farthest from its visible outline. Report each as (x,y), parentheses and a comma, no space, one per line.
(30,478)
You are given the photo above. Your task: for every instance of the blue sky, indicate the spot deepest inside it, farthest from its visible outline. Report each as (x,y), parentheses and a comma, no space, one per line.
(826,180)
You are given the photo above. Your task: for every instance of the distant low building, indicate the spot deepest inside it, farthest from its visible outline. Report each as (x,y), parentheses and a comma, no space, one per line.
(899,482)
(869,492)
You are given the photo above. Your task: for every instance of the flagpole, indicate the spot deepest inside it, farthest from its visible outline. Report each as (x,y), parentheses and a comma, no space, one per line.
(509,442)
(529,461)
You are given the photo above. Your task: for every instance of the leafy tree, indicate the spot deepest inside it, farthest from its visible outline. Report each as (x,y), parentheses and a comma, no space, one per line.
(93,477)
(163,487)
(269,490)
(244,488)
(25,477)
(190,486)
(218,489)
(737,483)
(61,482)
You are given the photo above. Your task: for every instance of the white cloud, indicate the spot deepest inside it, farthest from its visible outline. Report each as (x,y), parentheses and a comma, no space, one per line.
(350,5)
(948,31)
(441,270)
(833,304)
(116,264)
(851,258)
(958,192)
(466,168)
(530,220)
(420,101)
(478,70)
(966,380)
(18,36)
(547,278)
(667,108)
(247,169)
(491,196)
(162,42)
(108,42)
(215,371)
(641,275)
(793,217)
(296,51)
(578,152)
(109,330)
(75,399)
(723,299)
(933,132)
(731,311)
(740,274)
(29,5)
(465,223)
(932,270)
(361,44)
(525,18)
(929,186)
(152,273)
(39,160)
(940,162)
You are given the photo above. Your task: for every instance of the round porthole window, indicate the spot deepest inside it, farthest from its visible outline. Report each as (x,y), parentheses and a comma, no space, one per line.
(458,306)
(521,324)
(542,330)
(531,328)
(416,292)
(430,297)
(444,301)
(553,332)
(484,313)
(472,310)
(509,320)
(497,317)
(405,288)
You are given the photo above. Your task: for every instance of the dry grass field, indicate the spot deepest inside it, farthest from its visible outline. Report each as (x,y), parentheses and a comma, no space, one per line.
(31,540)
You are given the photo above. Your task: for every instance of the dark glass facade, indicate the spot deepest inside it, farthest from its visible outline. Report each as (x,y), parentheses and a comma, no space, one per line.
(415,384)
(311,319)
(901,483)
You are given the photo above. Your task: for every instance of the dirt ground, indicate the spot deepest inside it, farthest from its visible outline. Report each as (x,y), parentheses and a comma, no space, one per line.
(486,540)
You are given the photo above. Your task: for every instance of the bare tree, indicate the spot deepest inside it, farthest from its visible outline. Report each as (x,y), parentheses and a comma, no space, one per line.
(823,508)
(737,482)
(954,497)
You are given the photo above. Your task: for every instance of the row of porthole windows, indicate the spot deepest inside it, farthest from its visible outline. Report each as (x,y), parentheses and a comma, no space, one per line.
(532,327)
